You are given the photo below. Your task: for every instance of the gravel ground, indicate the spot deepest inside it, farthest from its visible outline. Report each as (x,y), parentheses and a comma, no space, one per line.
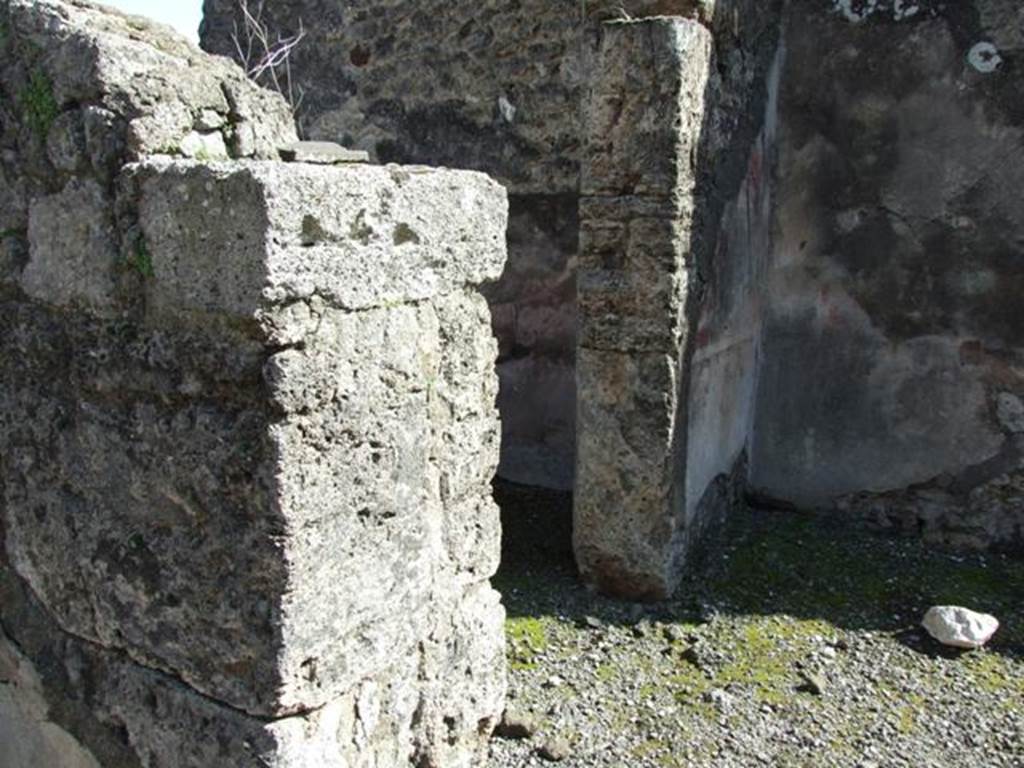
(799,646)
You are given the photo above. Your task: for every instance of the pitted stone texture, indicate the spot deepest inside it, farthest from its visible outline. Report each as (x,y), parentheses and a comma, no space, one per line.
(465,657)
(445,82)
(627,515)
(319,513)
(262,234)
(646,110)
(125,714)
(160,85)
(83,91)
(73,250)
(633,284)
(248,456)
(630,530)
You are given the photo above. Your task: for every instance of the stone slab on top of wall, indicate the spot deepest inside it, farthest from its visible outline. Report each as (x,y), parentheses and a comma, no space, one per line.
(248,423)
(645,116)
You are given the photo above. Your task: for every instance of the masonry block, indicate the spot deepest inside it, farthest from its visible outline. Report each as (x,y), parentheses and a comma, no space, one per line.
(637,296)
(247,427)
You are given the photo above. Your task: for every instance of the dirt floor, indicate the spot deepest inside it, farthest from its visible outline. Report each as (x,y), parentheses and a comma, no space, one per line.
(799,645)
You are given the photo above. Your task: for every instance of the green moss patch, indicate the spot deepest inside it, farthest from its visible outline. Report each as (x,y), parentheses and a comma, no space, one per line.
(39,104)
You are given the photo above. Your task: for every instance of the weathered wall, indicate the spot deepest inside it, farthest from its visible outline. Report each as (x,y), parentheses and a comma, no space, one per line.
(499,87)
(492,86)
(892,351)
(247,423)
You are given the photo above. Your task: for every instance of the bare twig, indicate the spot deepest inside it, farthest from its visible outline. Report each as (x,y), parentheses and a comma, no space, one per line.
(267,59)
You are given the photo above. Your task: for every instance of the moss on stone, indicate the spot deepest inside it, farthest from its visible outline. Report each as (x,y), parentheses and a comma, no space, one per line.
(141,261)
(39,104)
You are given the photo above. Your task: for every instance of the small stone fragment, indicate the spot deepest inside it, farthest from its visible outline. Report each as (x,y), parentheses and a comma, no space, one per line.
(692,655)
(204,146)
(1010,411)
(555,750)
(719,698)
(674,633)
(812,683)
(209,120)
(321,153)
(959,627)
(554,682)
(592,622)
(516,725)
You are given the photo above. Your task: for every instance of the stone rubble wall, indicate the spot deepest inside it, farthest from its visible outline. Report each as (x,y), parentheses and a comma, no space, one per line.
(488,86)
(247,421)
(500,87)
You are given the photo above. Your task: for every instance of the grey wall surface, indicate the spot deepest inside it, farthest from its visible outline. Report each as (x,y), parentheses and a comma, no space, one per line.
(894,328)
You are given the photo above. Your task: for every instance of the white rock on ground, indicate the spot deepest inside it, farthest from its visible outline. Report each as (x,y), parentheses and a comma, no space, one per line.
(959,627)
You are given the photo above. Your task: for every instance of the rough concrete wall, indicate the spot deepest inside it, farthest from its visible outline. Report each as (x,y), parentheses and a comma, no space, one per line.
(248,424)
(491,86)
(892,350)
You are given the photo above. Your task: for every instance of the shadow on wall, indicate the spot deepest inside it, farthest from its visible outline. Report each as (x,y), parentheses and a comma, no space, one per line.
(893,331)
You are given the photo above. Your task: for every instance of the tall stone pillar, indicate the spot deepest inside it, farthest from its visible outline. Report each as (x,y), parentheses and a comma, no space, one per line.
(637,298)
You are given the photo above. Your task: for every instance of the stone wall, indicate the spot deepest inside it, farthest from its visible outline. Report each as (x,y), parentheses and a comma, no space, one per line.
(500,87)
(891,381)
(248,423)
(853,342)
(490,86)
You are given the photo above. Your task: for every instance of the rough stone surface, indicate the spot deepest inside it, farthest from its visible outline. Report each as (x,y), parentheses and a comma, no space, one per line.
(645,113)
(248,423)
(72,248)
(667,289)
(959,627)
(321,153)
(301,216)
(84,92)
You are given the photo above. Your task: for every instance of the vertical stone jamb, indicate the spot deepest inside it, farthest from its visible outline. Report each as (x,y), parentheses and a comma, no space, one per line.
(644,118)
